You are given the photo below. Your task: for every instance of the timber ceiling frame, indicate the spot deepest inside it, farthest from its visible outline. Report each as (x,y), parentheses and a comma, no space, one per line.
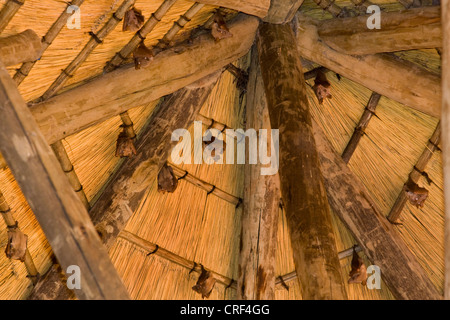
(426,97)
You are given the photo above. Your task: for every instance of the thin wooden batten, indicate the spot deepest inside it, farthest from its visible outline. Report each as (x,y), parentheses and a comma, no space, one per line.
(8,11)
(445,121)
(416,173)
(423,95)
(47,40)
(10,222)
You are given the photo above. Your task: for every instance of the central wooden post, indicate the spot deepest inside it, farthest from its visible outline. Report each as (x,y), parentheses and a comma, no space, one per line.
(302,189)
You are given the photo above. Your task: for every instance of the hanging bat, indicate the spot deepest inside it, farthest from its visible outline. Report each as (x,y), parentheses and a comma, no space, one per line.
(142,56)
(205,283)
(125,146)
(16,247)
(358,274)
(219,29)
(321,87)
(133,20)
(415,194)
(167,181)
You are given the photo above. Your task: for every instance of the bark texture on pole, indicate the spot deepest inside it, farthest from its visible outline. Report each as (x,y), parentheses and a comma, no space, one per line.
(445,122)
(381,73)
(416,28)
(303,193)
(256,277)
(378,238)
(19,48)
(58,210)
(123,194)
(282,11)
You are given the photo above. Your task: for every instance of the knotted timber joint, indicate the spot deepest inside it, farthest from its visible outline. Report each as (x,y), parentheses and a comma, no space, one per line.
(16,247)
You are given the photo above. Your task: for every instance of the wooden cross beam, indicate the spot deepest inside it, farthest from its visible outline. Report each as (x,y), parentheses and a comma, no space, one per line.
(124,192)
(60,213)
(385,74)
(22,47)
(416,28)
(302,190)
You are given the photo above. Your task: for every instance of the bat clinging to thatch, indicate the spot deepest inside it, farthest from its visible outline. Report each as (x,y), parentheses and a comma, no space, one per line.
(321,87)
(358,274)
(416,195)
(142,56)
(17,244)
(125,146)
(219,29)
(133,20)
(205,283)
(167,181)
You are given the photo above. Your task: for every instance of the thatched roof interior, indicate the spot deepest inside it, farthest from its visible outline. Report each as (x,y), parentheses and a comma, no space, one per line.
(204,228)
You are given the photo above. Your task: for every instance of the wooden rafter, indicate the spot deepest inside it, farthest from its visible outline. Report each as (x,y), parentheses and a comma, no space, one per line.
(282,11)
(416,28)
(60,213)
(416,173)
(445,121)
(381,73)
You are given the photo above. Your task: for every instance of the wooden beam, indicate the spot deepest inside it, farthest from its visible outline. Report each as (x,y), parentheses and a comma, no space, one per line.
(282,11)
(445,121)
(382,244)
(59,212)
(256,275)
(417,28)
(127,186)
(303,194)
(114,93)
(22,47)
(258,8)
(385,74)
(416,173)
(369,111)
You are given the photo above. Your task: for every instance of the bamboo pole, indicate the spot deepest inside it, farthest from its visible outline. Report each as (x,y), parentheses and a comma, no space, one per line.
(381,73)
(257,252)
(59,212)
(416,173)
(417,28)
(8,12)
(10,222)
(379,240)
(361,127)
(47,40)
(93,42)
(22,47)
(307,211)
(445,121)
